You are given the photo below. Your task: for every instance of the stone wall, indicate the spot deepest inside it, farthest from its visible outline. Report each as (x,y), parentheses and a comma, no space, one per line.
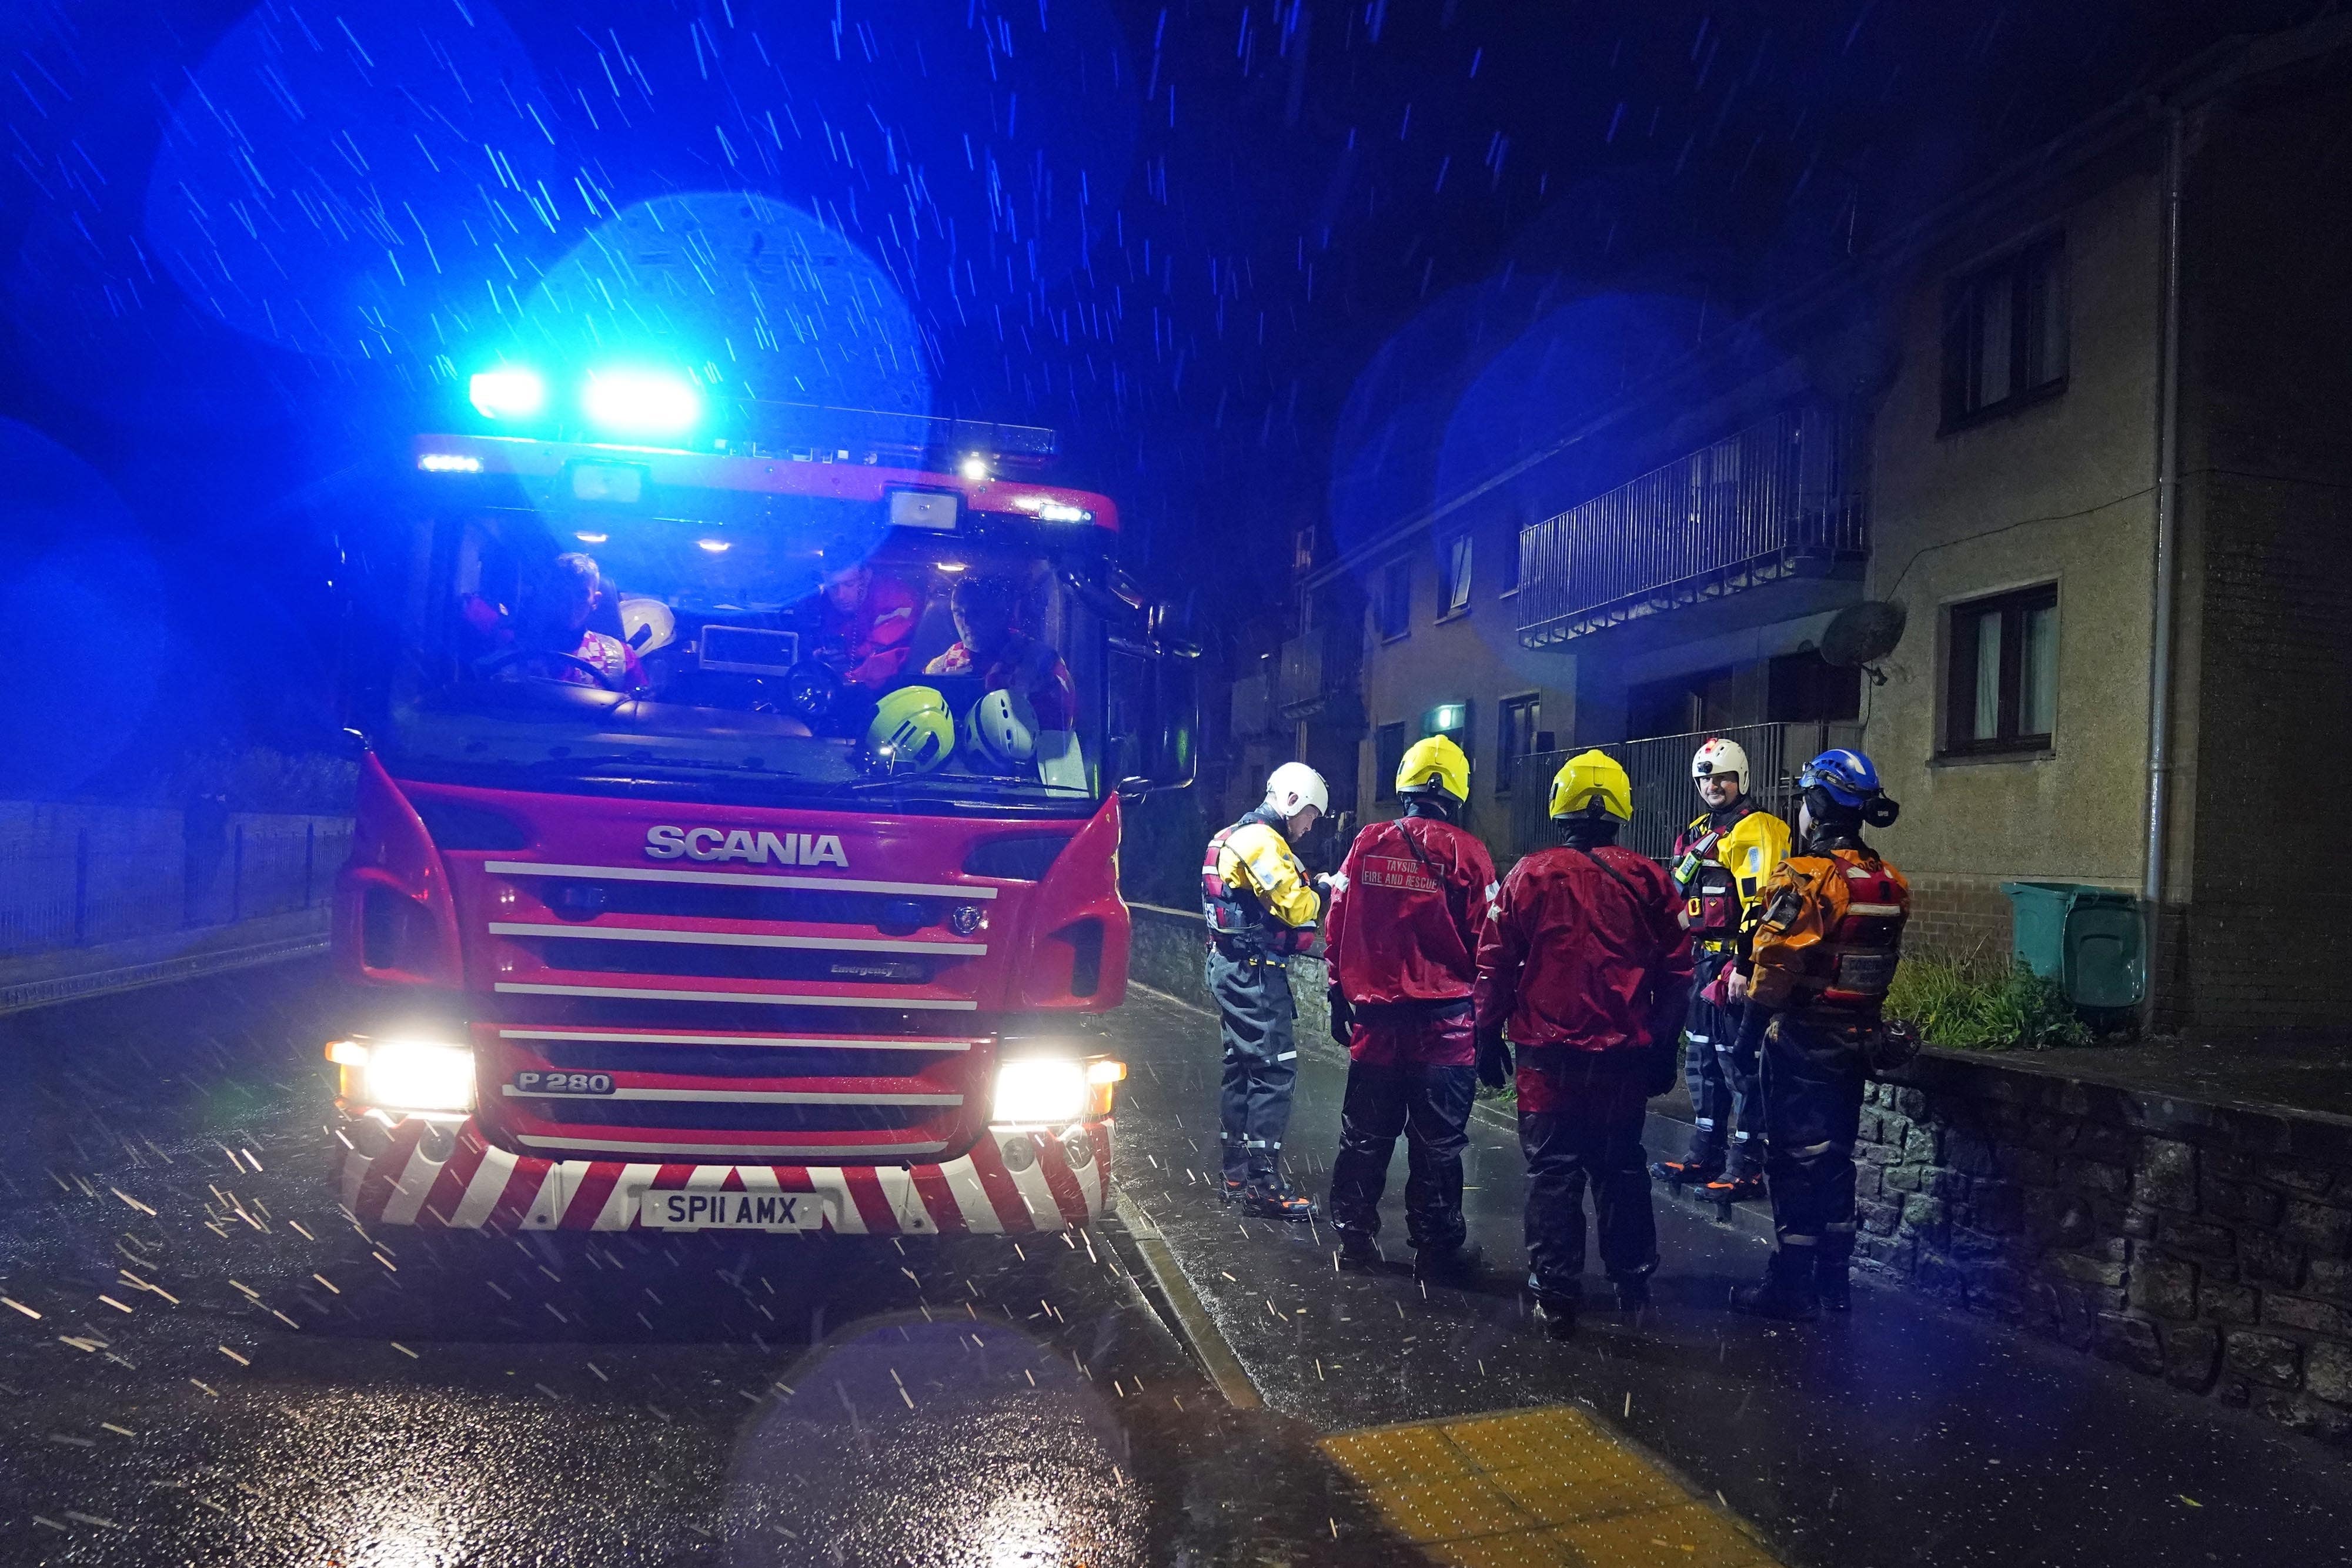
(1167,952)
(2208,1245)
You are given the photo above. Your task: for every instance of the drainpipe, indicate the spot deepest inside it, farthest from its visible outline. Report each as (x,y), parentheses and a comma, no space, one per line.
(2167,544)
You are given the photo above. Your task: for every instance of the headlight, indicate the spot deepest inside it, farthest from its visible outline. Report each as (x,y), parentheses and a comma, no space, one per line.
(1049,1091)
(1056,1091)
(405,1074)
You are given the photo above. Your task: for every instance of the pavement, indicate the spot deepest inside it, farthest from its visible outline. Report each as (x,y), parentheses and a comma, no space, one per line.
(203,1361)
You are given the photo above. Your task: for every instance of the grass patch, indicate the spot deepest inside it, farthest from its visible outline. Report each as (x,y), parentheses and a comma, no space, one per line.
(1979,1004)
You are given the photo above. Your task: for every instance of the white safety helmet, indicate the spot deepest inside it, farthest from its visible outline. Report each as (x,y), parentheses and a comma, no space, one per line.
(1720,756)
(1004,725)
(647,624)
(1293,787)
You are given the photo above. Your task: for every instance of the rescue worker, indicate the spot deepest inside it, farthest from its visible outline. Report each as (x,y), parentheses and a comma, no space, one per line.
(1719,863)
(1408,907)
(865,624)
(1820,959)
(571,594)
(991,644)
(1261,908)
(1586,965)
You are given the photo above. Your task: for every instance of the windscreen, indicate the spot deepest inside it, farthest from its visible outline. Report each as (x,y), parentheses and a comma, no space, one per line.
(782,656)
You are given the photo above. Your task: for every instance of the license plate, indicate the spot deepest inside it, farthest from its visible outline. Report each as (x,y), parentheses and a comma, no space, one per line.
(666,1211)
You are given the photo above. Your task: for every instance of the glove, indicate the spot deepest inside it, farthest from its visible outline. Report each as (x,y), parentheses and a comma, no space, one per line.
(1343,1017)
(1493,1059)
(1664,1066)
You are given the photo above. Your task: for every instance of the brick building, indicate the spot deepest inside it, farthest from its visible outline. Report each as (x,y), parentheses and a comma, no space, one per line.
(2082,426)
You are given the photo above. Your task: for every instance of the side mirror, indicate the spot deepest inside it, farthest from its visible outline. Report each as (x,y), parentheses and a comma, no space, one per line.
(1162,704)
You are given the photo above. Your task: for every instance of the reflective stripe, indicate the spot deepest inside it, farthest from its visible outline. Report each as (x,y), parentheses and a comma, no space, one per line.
(1888,910)
(1285,1056)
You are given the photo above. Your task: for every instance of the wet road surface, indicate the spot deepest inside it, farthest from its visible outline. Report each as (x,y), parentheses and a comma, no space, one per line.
(1905,1434)
(224,1369)
(202,1360)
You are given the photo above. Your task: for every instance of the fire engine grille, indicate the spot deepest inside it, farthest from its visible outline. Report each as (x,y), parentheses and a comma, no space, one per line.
(914,1090)
(696,901)
(716,963)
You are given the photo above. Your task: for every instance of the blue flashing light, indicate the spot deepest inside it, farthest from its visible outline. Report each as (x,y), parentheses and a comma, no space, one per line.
(508,392)
(645,402)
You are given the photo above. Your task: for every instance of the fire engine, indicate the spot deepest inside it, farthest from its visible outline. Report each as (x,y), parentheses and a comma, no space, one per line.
(738,819)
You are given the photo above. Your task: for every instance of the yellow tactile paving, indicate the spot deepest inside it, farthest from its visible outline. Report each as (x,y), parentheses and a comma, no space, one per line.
(1536,1489)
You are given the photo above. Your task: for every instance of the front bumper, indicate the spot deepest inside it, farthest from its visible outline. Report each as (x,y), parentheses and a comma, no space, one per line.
(445,1175)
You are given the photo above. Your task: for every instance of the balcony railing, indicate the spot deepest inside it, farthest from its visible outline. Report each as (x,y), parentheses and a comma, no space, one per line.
(1782,499)
(1319,677)
(1664,798)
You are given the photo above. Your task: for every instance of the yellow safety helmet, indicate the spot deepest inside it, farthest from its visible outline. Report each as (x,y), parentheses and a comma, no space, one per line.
(1590,784)
(913,732)
(1436,761)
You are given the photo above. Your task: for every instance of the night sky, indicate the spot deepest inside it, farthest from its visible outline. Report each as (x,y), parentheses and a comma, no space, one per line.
(1234,253)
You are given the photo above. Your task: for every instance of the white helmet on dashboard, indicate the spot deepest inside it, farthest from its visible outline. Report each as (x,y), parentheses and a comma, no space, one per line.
(1002,726)
(1719,756)
(647,624)
(1293,787)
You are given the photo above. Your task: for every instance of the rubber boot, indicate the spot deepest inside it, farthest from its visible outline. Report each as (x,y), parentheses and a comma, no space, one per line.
(1832,1282)
(1788,1291)
(1685,1172)
(1358,1250)
(1735,1189)
(1457,1262)
(1632,1293)
(1557,1311)
(1277,1203)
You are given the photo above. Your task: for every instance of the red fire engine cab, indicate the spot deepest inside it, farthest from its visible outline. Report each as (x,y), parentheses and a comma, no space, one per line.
(738,821)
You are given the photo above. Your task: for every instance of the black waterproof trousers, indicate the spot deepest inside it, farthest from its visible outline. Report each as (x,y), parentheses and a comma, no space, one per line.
(1580,1116)
(1429,1105)
(1726,1102)
(1813,1099)
(1256,1020)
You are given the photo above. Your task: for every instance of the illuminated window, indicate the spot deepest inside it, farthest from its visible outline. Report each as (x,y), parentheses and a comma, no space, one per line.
(2005,333)
(1453,561)
(1517,724)
(2001,679)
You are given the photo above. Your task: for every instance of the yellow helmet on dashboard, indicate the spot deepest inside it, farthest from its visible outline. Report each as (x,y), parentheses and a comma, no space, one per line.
(1592,784)
(1436,763)
(913,732)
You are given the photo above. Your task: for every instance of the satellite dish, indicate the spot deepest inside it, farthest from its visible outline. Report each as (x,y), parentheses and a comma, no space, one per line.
(1862,635)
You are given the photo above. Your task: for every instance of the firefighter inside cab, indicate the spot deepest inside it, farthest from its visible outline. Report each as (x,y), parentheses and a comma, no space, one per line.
(1720,863)
(1401,939)
(1586,965)
(1820,959)
(1261,907)
(865,624)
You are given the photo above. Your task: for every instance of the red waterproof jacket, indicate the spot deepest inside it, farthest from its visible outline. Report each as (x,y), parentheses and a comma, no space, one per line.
(1576,959)
(1407,910)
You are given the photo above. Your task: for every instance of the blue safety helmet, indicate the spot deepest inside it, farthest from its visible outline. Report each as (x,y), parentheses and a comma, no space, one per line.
(1846,777)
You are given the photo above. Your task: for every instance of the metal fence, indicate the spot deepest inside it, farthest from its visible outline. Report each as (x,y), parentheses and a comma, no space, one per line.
(84,876)
(1778,499)
(1664,798)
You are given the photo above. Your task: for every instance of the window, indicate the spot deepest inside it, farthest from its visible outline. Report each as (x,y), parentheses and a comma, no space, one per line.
(2002,675)
(1515,728)
(1454,576)
(1395,607)
(2005,333)
(1510,562)
(1388,756)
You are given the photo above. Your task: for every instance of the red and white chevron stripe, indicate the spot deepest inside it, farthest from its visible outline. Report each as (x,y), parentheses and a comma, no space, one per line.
(479,1185)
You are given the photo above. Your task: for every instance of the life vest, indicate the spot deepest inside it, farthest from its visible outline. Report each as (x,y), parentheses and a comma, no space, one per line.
(1718,867)
(1830,937)
(1868,940)
(1235,911)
